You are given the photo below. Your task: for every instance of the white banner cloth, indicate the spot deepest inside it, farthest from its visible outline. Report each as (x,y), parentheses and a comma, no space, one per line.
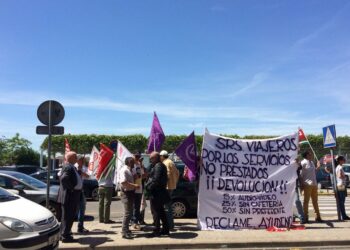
(247,183)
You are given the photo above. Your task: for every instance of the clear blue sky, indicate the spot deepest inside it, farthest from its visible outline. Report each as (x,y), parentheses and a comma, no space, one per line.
(236,67)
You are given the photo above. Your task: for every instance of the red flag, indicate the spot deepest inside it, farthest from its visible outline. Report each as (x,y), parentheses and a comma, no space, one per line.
(302,137)
(66,146)
(106,155)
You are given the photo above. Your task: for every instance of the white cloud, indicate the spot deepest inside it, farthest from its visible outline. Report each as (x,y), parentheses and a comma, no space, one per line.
(172,110)
(323,28)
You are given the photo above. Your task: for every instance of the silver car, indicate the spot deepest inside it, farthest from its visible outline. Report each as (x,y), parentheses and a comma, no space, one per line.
(35,229)
(30,188)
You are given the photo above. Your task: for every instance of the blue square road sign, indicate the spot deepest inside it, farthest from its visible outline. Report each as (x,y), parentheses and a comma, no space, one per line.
(329,136)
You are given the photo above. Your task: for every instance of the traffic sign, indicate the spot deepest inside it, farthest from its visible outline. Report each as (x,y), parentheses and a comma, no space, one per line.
(57,112)
(50,113)
(55,130)
(329,136)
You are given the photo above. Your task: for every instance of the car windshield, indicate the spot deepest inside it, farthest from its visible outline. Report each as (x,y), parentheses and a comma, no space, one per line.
(29,180)
(5,195)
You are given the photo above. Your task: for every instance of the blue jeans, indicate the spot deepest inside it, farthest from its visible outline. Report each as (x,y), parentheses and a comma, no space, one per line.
(169,212)
(298,204)
(342,195)
(81,213)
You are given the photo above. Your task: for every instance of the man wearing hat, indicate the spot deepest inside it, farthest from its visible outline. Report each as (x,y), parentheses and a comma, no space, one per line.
(173,177)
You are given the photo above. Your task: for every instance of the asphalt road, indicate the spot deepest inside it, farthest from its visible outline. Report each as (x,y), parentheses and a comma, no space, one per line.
(117,210)
(327,207)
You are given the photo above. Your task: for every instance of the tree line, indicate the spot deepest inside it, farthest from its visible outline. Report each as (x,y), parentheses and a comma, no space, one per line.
(83,144)
(18,151)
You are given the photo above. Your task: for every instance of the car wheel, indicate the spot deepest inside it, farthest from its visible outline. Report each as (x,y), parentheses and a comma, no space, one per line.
(179,208)
(94,194)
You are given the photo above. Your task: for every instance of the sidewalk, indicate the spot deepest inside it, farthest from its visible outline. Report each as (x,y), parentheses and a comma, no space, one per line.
(108,236)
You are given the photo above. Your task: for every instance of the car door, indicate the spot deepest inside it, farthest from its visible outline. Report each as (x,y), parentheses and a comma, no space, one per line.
(24,189)
(11,184)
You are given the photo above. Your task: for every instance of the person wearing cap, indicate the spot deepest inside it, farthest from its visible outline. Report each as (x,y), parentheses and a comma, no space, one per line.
(173,177)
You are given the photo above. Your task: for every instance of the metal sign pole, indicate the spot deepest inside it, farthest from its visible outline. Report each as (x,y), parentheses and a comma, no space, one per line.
(50,113)
(49,157)
(41,159)
(335,186)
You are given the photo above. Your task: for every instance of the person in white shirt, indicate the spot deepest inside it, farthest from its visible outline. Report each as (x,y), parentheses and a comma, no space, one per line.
(128,188)
(341,186)
(309,185)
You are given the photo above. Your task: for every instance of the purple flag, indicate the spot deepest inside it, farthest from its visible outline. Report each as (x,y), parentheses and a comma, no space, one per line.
(187,151)
(156,137)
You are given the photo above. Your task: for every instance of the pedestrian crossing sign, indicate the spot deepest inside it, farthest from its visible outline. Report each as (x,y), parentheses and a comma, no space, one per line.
(329,136)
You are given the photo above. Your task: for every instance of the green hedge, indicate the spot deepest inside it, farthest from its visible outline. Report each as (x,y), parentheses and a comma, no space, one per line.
(83,143)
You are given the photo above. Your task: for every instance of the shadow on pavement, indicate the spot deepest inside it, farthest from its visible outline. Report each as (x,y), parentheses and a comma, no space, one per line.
(186,226)
(184,223)
(89,218)
(183,235)
(99,232)
(330,224)
(173,235)
(94,241)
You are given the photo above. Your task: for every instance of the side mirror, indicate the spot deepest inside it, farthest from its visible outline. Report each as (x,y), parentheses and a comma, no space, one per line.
(20,188)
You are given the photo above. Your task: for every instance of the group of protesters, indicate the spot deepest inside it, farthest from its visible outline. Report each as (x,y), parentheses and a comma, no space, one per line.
(136,182)
(158,182)
(307,183)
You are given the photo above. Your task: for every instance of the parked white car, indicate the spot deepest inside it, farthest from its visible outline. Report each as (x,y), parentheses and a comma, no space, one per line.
(25,224)
(346,168)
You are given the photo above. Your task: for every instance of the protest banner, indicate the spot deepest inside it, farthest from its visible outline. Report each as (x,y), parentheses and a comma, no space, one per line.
(247,183)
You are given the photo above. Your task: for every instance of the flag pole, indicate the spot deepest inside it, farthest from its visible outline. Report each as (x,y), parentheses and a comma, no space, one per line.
(313,151)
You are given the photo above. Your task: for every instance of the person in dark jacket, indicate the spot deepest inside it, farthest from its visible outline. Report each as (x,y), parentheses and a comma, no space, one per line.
(156,186)
(69,196)
(82,171)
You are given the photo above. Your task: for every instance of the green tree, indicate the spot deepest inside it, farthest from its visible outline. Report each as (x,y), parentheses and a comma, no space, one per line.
(83,143)
(16,150)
